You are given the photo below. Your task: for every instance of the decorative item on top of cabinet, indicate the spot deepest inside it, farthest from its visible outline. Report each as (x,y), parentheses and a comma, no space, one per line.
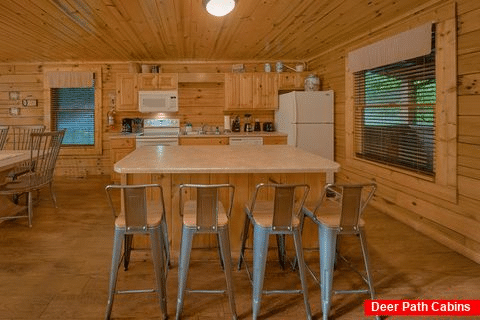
(127,99)
(152,81)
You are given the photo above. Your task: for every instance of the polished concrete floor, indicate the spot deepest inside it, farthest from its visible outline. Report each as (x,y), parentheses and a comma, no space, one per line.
(58,269)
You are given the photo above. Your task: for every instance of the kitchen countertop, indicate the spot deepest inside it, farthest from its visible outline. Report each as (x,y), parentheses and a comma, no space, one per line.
(232,134)
(223,159)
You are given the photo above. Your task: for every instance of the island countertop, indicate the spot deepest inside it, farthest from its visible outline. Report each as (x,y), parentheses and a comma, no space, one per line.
(223,159)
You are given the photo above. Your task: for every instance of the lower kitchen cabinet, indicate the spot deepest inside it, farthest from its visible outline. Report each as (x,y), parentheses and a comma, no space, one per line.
(119,148)
(275,140)
(203,141)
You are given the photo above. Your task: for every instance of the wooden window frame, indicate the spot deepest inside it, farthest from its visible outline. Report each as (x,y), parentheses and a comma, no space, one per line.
(79,150)
(444,183)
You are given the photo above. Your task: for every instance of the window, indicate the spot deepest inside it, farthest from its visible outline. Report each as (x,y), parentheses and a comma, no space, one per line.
(74,109)
(395,113)
(73,101)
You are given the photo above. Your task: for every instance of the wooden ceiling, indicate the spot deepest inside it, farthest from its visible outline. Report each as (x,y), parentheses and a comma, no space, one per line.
(181,30)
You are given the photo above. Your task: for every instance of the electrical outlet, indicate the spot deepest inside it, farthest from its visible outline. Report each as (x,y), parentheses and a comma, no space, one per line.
(14,111)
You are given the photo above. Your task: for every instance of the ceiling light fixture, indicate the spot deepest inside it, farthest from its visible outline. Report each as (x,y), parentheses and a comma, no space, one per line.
(219,8)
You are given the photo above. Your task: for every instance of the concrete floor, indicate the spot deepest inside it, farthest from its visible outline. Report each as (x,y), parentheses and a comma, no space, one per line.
(59,268)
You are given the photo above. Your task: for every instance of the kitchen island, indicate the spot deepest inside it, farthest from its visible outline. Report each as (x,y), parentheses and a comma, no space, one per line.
(243,166)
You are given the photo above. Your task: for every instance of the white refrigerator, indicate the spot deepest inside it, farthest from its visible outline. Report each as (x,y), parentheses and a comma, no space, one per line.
(307,118)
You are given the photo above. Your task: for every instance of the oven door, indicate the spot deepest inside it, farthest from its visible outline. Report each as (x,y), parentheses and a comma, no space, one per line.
(156,141)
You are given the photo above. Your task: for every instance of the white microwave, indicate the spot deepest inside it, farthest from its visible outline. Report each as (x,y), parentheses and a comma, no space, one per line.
(158,101)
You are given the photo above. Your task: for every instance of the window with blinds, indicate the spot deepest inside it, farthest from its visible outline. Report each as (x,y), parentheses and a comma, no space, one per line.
(395,113)
(74,109)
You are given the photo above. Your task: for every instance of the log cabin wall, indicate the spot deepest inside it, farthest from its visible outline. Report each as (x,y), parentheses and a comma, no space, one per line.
(453,223)
(200,102)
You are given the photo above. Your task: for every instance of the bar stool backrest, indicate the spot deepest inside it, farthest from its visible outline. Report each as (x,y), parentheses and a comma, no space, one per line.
(287,203)
(207,204)
(135,204)
(353,200)
(3,136)
(22,136)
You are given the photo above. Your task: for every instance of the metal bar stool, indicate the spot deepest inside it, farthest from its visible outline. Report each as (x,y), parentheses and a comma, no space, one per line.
(206,214)
(281,216)
(338,212)
(142,210)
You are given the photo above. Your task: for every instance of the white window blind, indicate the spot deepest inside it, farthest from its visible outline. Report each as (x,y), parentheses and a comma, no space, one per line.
(395,112)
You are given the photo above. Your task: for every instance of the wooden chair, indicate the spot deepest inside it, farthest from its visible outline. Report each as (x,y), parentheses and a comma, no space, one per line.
(142,212)
(205,214)
(44,151)
(3,136)
(280,216)
(338,212)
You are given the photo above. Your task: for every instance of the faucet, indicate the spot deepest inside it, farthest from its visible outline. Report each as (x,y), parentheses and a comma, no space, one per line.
(202,129)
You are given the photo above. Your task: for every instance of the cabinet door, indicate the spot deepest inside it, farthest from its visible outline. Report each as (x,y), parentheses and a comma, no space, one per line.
(127,99)
(147,81)
(291,81)
(232,93)
(204,141)
(246,90)
(265,91)
(167,81)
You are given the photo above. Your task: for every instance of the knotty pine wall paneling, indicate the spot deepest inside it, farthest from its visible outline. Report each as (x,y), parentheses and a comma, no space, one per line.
(453,223)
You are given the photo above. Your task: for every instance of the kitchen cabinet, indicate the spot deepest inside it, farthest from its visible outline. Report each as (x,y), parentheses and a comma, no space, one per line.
(291,81)
(275,139)
(203,140)
(265,91)
(238,91)
(126,87)
(119,148)
(248,91)
(157,81)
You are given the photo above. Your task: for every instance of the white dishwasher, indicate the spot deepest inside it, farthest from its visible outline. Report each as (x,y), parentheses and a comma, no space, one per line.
(245,140)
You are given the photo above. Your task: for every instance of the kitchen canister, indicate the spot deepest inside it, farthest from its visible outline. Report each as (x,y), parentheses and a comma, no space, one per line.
(279,66)
(312,83)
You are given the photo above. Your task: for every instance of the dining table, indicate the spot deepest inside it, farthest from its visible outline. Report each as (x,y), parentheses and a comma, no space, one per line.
(244,166)
(10,159)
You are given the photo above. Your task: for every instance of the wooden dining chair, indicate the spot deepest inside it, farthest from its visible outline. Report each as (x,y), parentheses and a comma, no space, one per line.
(3,136)
(142,211)
(44,150)
(337,213)
(280,216)
(205,214)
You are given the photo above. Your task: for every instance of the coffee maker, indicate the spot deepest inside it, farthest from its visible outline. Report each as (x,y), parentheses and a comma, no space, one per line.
(127,125)
(236,124)
(247,127)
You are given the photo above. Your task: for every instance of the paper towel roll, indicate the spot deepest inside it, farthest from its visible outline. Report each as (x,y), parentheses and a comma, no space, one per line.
(226,123)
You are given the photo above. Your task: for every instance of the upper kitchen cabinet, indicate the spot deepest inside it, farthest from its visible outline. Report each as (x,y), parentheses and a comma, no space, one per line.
(127,99)
(265,91)
(247,91)
(157,81)
(238,91)
(291,81)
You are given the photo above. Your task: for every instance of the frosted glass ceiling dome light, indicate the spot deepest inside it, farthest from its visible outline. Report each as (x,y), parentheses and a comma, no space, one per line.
(219,8)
